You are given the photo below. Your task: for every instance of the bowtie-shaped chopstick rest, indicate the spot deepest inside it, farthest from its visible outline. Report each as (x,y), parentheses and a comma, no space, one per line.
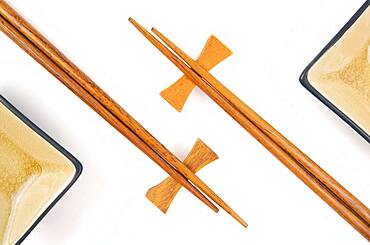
(163,194)
(213,53)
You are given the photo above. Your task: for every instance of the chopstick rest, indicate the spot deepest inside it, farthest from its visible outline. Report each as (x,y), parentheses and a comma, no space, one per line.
(54,61)
(326,187)
(165,192)
(212,54)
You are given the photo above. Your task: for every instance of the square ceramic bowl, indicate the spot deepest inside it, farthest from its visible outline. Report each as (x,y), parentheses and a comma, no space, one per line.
(35,172)
(340,75)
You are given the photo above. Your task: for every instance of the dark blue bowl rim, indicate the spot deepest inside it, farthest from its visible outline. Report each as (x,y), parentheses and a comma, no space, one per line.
(70,157)
(306,83)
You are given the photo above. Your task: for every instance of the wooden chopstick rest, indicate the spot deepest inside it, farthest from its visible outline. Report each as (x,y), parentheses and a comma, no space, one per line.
(46,54)
(212,54)
(165,192)
(325,186)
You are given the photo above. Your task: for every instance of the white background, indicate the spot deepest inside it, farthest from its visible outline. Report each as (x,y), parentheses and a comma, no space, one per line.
(272,42)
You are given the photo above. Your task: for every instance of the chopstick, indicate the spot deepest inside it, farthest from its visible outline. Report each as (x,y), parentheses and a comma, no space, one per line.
(344,203)
(11,32)
(275,135)
(173,165)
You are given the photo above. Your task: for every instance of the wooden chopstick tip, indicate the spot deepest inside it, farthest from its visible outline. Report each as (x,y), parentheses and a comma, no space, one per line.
(139,27)
(155,31)
(244,224)
(238,218)
(135,23)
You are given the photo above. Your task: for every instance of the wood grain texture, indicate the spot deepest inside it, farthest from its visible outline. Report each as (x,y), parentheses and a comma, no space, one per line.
(29,39)
(248,113)
(96,105)
(212,54)
(56,71)
(343,202)
(165,192)
(340,199)
(82,80)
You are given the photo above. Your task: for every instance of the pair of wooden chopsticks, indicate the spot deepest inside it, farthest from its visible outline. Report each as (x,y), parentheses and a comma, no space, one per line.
(341,200)
(37,46)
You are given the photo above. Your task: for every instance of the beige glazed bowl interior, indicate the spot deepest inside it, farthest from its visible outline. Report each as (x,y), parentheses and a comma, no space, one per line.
(32,175)
(342,74)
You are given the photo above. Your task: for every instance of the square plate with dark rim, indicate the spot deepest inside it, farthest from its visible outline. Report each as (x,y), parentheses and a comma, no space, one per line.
(339,76)
(35,172)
